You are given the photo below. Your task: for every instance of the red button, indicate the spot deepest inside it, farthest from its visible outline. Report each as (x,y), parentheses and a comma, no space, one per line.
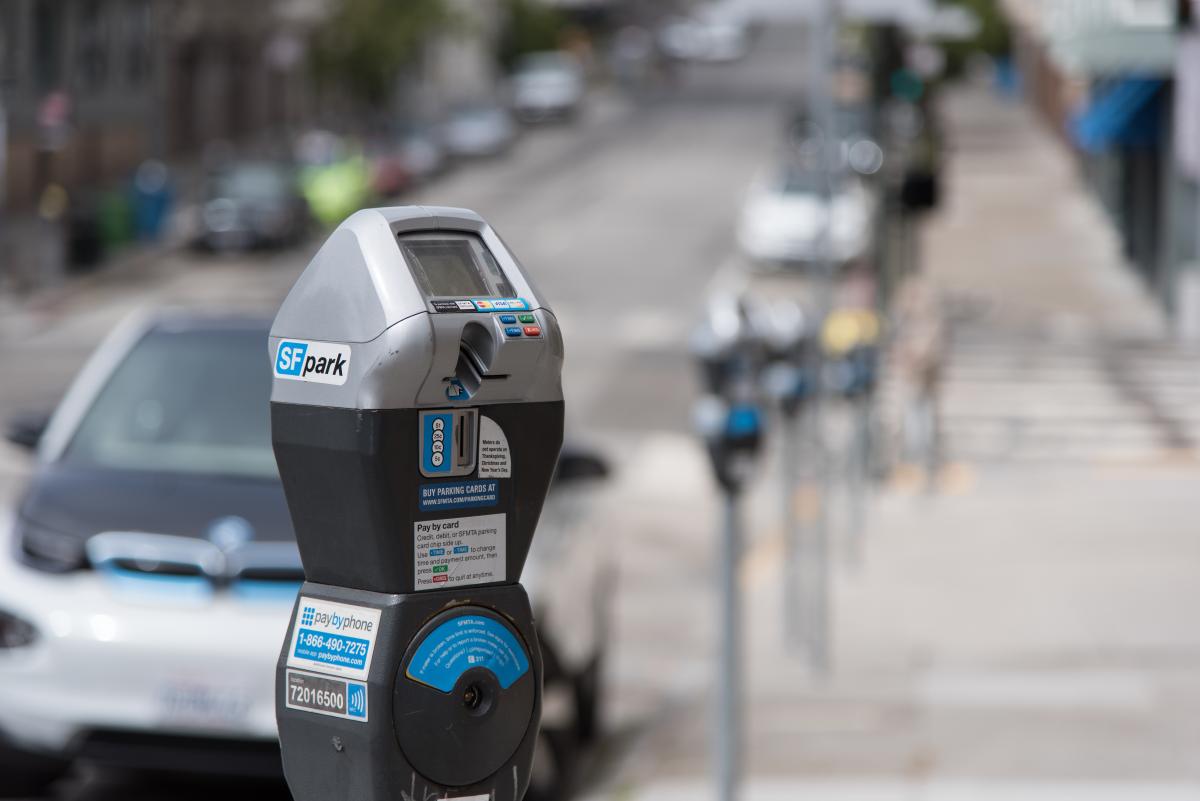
(533,331)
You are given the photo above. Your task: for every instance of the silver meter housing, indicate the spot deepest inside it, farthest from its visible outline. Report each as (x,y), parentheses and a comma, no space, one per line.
(417,415)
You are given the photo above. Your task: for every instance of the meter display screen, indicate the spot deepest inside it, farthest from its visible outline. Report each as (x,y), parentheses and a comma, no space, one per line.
(454,266)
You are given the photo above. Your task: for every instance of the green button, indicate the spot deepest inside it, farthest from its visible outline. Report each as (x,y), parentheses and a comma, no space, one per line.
(527,318)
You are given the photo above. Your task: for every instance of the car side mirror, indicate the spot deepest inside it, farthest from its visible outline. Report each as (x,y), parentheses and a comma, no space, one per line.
(25,430)
(576,464)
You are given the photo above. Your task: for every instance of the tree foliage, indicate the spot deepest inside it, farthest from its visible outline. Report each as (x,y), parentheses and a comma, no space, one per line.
(531,26)
(366,43)
(994,36)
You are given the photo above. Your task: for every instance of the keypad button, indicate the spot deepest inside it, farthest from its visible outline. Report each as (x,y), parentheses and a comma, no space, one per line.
(509,319)
(512,332)
(532,331)
(528,318)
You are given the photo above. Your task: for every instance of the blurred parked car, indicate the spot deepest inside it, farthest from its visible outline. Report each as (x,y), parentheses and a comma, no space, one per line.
(389,174)
(251,204)
(713,38)
(335,177)
(477,130)
(784,216)
(547,85)
(149,570)
(421,151)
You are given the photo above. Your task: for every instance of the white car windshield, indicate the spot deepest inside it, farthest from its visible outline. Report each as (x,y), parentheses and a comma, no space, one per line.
(189,401)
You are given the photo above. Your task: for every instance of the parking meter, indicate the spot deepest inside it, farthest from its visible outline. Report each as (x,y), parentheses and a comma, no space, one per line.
(790,342)
(850,341)
(416,417)
(729,414)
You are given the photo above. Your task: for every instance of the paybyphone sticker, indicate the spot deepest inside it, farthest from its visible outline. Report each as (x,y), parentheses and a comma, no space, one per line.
(459,551)
(334,638)
(322,362)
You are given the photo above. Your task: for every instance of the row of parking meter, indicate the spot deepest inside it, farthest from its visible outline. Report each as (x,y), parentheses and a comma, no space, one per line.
(752,355)
(416,417)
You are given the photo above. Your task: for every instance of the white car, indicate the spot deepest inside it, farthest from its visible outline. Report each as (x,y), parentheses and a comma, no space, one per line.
(479,130)
(547,85)
(711,38)
(785,213)
(149,570)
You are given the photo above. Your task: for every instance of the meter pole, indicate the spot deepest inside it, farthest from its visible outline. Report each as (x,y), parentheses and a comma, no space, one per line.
(729,728)
(793,525)
(824,111)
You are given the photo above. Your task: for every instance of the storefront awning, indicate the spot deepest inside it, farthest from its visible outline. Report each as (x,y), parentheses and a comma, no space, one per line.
(1124,112)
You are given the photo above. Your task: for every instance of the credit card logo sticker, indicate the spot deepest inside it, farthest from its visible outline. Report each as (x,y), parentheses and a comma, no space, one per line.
(319,362)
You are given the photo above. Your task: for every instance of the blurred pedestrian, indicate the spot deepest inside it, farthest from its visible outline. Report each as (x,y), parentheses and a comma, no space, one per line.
(920,350)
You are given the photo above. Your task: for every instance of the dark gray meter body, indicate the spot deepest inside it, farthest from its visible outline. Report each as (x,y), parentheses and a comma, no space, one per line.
(417,416)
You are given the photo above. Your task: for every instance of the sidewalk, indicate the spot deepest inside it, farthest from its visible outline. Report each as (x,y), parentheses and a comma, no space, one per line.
(1027,633)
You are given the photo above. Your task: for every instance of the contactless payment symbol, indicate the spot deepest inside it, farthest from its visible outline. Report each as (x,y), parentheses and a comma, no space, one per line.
(356,700)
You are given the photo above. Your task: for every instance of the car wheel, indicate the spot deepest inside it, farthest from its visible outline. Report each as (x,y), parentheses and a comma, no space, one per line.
(555,757)
(23,774)
(556,753)
(588,696)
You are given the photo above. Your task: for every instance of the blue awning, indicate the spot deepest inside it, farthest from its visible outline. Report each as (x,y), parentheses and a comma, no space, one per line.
(1126,112)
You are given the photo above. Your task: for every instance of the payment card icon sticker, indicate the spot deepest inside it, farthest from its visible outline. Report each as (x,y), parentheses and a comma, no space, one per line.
(319,362)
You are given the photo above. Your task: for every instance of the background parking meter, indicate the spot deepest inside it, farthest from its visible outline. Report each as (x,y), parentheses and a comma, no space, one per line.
(729,415)
(789,340)
(417,416)
(850,339)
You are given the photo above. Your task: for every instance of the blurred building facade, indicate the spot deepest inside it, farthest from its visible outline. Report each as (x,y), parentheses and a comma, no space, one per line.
(90,88)
(1104,76)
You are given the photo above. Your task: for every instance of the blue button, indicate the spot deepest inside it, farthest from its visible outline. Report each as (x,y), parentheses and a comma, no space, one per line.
(508,319)
(514,331)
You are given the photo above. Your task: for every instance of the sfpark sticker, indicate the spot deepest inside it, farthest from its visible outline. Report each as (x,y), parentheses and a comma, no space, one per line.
(320,362)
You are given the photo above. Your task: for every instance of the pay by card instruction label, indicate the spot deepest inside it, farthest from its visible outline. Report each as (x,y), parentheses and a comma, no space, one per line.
(459,551)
